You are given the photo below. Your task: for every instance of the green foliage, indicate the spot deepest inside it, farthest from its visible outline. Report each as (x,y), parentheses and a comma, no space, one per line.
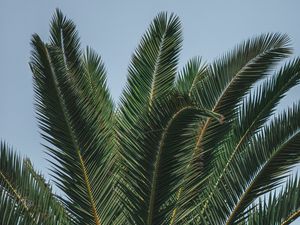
(278,208)
(200,146)
(25,196)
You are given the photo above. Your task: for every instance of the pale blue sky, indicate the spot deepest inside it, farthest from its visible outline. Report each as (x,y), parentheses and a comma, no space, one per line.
(114,29)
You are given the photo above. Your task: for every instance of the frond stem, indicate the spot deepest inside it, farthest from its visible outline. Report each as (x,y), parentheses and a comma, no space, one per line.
(14,191)
(241,141)
(89,190)
(196,79)
(74,142)
(152,91)
(201,133)
(248,190)
(291,218)
(157,163)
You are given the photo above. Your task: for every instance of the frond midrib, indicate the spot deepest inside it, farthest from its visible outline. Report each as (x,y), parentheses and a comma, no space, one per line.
(174,214)
(157,161)
(156,65)
(196,78)
(219,100)
(14,191)
(238,205)
(241,142)
(18,197)
(291,218)
(73,138)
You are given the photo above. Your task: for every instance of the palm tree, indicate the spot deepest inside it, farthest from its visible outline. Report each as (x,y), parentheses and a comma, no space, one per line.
(201,146)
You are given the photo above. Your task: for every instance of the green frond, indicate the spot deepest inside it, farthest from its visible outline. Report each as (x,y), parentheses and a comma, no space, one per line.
(156,147)
(260,107)
(263,100)
(222,89)
(152,71)
(200,146)
(10,214)
(232,76)
(63,35)
(274,152)
(75,114)
(25,197)
(278,208)
(151,77)
(230,79)
(193,72)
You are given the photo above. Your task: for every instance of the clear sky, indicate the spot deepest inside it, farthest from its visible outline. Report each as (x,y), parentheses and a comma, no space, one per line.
(114,29)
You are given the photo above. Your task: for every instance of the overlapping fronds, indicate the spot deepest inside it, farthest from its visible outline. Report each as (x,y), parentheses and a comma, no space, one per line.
(192,73)
(278,208)
(75,115)
(229,79)
(158,147)
(25,196)
(273,153)
(151,77)
(200,146)
(254,113)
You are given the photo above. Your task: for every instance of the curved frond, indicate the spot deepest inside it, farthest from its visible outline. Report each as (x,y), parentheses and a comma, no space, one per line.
(231,76)
(75,114)
(153,66)
(25,197)
(263,102)
(193,72)
(279,208)
(155,148)
(227,81)
(274,152)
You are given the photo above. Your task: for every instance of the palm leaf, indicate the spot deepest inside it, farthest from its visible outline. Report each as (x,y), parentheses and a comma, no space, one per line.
(156,147)
(152,70)
(276,155)
(25,196)
(191,74)
(63,35)
(280,208)
(69,122)
(228,79)
(256,111)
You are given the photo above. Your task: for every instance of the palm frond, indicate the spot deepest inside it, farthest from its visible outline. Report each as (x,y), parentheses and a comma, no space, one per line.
(231,76)
(75,119)
(274,152)
(25,196)
(63,35)
(194,71)
(260,107)
(152,71)
(155,147)
(151,77)
(228,79)
(278,208)
(9,211)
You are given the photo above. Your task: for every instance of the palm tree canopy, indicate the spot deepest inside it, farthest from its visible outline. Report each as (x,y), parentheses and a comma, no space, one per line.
(199,145)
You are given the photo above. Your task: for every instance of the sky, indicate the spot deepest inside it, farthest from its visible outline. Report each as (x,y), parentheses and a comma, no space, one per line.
(114,28)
